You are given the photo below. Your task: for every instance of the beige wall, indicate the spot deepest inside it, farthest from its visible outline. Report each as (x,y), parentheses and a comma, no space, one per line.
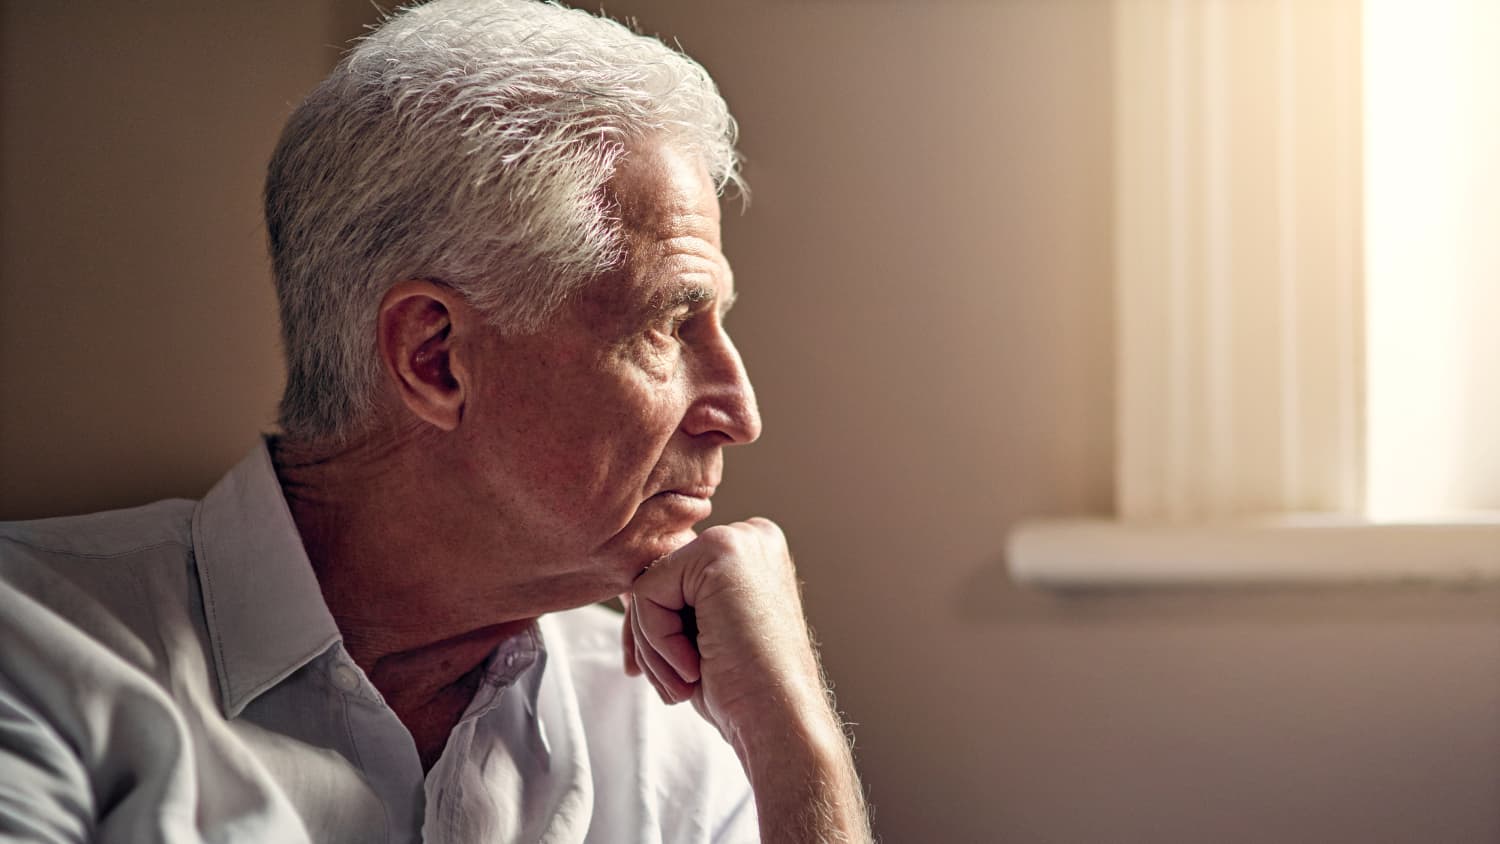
(925,308)
(138,345)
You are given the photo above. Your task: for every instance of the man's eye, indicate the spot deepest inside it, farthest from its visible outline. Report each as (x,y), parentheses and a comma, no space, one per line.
(672,326)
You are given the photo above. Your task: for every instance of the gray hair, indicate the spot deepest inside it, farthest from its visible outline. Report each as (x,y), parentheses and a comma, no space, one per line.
(468,142)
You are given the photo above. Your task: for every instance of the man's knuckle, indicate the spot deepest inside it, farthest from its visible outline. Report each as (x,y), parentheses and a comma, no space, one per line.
(719,539)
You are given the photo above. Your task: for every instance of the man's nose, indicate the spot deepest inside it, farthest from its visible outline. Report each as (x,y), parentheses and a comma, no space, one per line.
(725,402)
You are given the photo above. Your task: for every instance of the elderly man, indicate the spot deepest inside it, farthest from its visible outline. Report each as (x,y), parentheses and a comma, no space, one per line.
(495,232)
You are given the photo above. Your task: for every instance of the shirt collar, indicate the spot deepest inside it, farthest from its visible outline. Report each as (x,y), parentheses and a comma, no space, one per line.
(261,601)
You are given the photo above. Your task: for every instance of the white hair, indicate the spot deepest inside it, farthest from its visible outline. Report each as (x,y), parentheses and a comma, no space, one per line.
(468,142)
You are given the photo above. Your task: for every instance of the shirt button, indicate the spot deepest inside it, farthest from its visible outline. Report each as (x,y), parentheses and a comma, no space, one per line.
(345,678)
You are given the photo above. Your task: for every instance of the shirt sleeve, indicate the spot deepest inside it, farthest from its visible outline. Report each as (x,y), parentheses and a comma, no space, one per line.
(44,790)
(89,747)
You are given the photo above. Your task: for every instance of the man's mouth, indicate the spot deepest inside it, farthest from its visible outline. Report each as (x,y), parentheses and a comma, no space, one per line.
(701,491)
(693,501)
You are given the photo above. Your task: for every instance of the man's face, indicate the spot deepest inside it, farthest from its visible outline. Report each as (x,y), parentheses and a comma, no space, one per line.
(602,436)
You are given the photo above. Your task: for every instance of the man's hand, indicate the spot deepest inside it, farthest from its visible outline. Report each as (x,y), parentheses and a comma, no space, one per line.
(719,622)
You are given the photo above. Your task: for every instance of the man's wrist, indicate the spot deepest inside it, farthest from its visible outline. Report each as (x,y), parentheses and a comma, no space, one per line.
(802,773)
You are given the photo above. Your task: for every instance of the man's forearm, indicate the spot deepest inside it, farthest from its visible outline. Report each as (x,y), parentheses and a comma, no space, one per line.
(804,780)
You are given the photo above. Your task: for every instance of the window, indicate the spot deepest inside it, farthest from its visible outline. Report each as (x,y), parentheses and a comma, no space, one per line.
(1432,246)
(1306,293)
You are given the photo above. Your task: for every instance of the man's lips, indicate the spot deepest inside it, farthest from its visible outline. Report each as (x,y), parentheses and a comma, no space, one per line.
(703,491)
(693,502)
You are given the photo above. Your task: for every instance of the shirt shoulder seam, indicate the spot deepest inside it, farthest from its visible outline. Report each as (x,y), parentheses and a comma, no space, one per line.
(94,555)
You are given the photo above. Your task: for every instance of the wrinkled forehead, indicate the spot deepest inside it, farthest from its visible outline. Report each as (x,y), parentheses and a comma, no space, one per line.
(663,191)
(668,214)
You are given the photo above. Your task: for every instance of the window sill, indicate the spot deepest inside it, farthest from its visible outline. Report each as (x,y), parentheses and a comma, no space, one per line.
(1298,550)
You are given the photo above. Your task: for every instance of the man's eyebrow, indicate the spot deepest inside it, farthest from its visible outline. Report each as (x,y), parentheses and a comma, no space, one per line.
(691,293)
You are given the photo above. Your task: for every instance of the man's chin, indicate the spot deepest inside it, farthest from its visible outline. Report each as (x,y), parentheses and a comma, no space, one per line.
(662,524)
(635,554)
(665,544)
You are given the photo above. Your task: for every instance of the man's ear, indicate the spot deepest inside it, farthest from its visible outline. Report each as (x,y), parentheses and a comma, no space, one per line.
(418,327)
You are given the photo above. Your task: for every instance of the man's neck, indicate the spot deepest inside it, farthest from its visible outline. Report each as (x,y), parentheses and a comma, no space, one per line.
(369,533)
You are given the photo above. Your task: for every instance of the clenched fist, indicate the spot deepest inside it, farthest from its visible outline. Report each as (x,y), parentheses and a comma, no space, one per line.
(719,622)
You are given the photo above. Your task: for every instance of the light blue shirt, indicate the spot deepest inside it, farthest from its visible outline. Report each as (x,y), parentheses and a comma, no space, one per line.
(171,673)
